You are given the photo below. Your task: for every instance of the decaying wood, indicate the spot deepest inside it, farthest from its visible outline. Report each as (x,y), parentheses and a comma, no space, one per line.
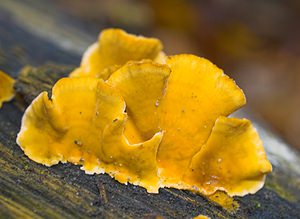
(31,190)
(280,193)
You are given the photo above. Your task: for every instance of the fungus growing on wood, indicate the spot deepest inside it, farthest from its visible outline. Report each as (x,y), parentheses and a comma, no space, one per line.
(116,47)
(232,160)
(197,97)
(198,92)
(6,88)
(174,133)
(83,123)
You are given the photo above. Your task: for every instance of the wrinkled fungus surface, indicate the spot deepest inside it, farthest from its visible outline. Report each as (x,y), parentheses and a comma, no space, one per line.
(197,94)
(149,124)
(232,159)
(116,47)
(83,123)
(6,88)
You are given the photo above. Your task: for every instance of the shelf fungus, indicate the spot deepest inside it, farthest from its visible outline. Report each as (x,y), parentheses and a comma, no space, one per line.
(115,47)
(83,123)
(188,99)
(149,122)
(6,88)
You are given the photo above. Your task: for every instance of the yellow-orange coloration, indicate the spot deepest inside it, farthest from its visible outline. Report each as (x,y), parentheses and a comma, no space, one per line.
(6,88)
(142,85)
(174,133)
(83,123)
(116,47)
(225,201)
(201,216)
(232,160)
(198,93)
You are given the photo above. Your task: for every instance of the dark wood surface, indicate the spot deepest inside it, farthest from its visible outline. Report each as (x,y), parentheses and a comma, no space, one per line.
(28,189)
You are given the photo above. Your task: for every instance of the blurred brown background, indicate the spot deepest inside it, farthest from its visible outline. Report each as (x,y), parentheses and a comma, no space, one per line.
(255,42)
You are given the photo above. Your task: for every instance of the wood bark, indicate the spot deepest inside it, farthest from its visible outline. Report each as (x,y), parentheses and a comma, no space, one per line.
(31,190)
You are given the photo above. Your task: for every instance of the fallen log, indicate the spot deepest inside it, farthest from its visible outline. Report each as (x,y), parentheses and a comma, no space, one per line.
(28,189)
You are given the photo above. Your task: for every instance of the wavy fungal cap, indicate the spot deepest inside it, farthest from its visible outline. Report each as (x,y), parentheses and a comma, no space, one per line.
(6,88)
(175,132)
(83,123)
(116,47)
(198,93)
(188,99)
(232,159)
(142,85)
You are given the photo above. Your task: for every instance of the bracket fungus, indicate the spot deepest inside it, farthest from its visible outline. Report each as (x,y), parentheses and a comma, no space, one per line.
(193,99)
(6,88)
(175,131)
(89,133)
(232,159)
(116,47)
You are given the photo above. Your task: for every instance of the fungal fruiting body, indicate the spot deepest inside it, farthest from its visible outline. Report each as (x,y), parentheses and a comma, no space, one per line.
(83,123)
(191,109)
(115,47)
(150,123)
(232,160)
(6,88)
(142,85)
(197,94)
